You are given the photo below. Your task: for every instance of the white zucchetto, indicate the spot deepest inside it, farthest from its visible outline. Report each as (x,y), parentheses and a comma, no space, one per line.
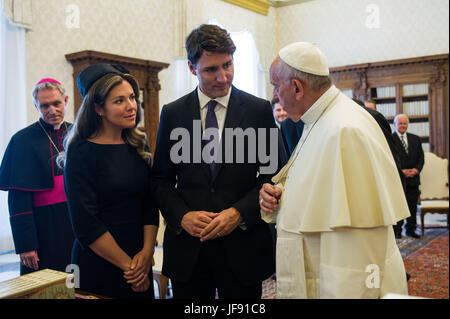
(305,57)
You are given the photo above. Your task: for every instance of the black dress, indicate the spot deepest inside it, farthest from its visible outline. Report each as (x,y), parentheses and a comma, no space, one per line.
(108,189)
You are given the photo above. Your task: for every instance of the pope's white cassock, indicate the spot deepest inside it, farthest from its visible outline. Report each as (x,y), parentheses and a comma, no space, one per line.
(341,196)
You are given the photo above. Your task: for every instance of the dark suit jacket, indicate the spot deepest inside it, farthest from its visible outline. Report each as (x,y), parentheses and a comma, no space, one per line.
(235,185)
(413,159)
(291,133)
(393,145)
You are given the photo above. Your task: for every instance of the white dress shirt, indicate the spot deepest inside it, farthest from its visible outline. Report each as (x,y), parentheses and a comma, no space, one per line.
(221,113)
(220,109)
(405,138)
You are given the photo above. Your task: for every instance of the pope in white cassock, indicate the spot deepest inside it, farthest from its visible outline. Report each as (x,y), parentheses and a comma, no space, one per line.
(337,198)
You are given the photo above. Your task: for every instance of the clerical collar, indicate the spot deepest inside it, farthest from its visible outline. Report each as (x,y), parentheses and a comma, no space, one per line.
(319,106)
(204,99)
(49,126)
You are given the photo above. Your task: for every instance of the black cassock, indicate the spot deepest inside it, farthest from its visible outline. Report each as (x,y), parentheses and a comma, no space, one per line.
(108,190)
(37,205)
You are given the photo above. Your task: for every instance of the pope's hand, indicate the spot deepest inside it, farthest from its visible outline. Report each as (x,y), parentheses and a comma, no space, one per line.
(269,196)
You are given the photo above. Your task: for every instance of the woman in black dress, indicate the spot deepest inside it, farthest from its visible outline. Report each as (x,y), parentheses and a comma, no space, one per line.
(107,183)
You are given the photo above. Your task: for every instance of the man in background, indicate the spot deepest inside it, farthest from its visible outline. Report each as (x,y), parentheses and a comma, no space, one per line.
(393,145)
(371,104)
(412,161)
(279,114)
(39,218)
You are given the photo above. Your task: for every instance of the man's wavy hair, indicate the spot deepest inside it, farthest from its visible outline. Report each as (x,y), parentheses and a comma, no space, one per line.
(208,37)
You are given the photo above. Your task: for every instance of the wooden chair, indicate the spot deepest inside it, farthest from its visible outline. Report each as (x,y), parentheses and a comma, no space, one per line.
(434,194)
(161,280)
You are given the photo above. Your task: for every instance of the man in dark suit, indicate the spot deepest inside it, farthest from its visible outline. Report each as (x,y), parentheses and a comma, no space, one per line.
(290,131)
(412,160)
(370,107)
(215,237)
(290,134)
(279,114)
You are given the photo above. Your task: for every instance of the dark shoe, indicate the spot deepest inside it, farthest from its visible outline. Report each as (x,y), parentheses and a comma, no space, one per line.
(408,276)
(412,234)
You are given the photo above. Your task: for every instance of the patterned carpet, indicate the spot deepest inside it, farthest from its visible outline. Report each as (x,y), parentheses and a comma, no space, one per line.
(426,260)
(269,289)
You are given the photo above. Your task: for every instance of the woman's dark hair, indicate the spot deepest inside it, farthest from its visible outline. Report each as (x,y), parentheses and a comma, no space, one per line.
(87,123)
(208,37)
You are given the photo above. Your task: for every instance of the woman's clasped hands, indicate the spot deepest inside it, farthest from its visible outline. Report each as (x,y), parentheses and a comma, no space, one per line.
(137,275)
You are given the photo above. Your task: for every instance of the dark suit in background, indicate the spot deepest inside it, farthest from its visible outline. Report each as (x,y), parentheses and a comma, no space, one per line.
(243,256)
(291,133)
(414,158)
(393,145)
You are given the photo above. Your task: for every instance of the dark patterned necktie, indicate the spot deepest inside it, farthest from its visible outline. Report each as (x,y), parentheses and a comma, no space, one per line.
(404,143)
(211,122)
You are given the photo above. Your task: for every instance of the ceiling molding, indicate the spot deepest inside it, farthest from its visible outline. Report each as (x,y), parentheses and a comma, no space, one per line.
(262,6)
(258,6)
(284,3)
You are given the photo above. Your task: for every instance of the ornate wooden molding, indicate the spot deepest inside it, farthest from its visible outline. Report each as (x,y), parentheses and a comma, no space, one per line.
(360,86)
(102,57)
(145,71)
(427,69)
(393,63)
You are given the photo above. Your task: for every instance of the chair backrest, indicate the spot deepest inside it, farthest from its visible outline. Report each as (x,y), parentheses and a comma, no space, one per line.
(161,229)
(434,178)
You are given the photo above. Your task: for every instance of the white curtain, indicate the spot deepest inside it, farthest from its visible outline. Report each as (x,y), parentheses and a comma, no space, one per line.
(248,73)
(249,76)
(12,105)
(18,12)
(184,81)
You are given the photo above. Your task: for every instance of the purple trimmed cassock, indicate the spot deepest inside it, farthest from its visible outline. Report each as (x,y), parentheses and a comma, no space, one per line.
(37,203)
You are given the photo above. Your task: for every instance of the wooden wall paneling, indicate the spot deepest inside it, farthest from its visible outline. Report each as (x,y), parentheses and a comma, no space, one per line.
(429,69)
(360,87)
(438,123)
(398,98)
